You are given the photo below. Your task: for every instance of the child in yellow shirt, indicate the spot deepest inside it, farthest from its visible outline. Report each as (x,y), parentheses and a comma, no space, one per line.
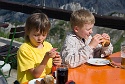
(36,56)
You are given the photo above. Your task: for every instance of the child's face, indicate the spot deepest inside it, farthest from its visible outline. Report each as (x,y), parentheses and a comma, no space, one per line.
(85,31)
(36,38)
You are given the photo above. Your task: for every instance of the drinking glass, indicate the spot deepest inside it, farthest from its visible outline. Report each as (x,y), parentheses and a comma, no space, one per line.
(123,53)
(62,74)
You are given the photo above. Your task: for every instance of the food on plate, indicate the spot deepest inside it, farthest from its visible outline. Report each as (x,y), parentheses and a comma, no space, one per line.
(37,82)
(48,79)
(105,43)
(42,81)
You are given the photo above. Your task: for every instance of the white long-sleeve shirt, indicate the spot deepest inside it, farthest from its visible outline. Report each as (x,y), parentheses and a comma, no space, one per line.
(76,52)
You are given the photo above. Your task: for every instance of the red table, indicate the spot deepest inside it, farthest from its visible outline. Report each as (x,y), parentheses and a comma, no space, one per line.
(90,74)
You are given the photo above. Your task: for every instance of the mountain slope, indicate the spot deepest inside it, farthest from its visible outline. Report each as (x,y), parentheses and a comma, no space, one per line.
(102,7)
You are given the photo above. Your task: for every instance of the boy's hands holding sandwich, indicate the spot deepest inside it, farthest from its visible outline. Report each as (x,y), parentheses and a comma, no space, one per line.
(96,39)
(103,39)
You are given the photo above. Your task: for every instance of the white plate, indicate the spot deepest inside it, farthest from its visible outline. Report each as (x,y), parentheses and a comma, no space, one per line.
(39,79)
(98,61)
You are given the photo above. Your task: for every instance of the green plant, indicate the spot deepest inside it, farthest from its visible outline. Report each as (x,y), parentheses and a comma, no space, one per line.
(117,45)
(3,34)
(57,33)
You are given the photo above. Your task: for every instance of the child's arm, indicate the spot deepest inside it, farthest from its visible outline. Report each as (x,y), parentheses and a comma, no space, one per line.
(57,59)
(109,49)
(104,50)
(36,72)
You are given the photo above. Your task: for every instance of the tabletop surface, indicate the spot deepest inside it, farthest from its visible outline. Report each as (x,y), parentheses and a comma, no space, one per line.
(91,74)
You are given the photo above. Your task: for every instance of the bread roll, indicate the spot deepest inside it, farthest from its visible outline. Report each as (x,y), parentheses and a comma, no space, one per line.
(105,43)
(48,79)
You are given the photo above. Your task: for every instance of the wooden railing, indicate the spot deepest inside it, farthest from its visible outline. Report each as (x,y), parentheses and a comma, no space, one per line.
(101,20)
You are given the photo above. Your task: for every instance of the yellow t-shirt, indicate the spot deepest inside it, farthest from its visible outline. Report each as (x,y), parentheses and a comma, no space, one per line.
(29,57)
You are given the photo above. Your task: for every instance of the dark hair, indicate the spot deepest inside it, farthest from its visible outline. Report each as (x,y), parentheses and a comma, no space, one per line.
(37,21)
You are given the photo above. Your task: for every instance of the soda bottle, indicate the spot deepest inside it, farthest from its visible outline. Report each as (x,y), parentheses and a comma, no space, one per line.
(54,67)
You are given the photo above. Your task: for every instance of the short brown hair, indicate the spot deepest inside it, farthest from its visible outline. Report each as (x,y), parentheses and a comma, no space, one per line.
(37,21)
(81,17)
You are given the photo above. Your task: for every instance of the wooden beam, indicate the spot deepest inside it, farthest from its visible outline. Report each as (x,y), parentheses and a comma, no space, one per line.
(110,21)
(4,25)
(101,20)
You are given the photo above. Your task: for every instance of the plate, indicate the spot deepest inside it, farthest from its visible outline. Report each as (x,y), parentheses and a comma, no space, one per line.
(39,79)
(98,61)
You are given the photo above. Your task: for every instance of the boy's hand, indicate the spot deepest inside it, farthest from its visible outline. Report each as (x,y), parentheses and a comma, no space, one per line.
(51,53)
(96,40)
(57,59)
(106,36)
(54,49)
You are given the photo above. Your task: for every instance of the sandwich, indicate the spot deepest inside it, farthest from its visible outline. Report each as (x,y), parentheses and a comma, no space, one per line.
(48,79)
(105,43)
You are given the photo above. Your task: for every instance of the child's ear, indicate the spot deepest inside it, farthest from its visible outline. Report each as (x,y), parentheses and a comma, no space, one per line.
(76,29)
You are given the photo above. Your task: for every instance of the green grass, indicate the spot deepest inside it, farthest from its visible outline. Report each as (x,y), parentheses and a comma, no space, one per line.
(6,35)
(2,34)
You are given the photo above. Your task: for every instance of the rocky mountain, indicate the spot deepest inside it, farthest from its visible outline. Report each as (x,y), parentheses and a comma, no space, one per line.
(102,7)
